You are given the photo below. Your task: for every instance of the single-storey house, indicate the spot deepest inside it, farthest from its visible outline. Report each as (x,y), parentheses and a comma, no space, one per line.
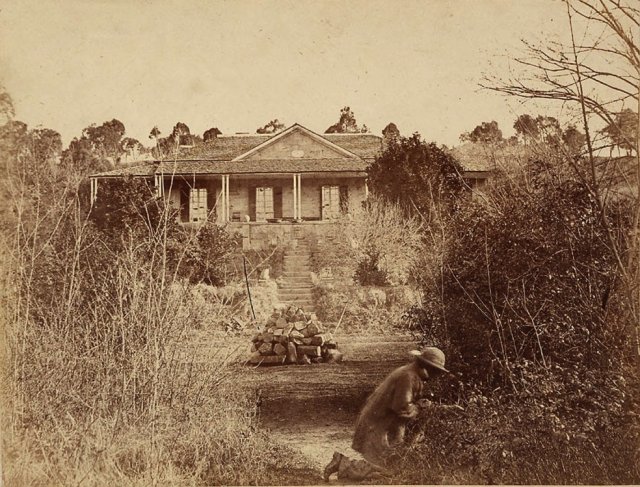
(260,184)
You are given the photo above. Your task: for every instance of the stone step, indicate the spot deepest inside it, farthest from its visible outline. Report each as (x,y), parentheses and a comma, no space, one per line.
(294,292)
(296,268)
(296,256)
(294,264)
(303,260)
(296,274)
(298,301)
(299,284)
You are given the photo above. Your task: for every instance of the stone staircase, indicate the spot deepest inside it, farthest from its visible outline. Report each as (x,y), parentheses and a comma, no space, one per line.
(296,286)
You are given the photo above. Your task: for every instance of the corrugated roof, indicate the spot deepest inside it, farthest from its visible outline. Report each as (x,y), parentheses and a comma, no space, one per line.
(262,166)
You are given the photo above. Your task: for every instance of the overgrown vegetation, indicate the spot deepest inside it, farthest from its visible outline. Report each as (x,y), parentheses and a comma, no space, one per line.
(97,385)
(529,316)
(375,245)
(532,290)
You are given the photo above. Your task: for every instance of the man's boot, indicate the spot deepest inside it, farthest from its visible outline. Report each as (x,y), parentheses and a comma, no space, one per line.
(333,466)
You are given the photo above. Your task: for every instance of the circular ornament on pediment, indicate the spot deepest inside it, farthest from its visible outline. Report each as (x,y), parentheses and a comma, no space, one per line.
(297,153)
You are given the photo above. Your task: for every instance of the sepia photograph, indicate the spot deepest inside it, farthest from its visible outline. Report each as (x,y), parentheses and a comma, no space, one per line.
(319,242)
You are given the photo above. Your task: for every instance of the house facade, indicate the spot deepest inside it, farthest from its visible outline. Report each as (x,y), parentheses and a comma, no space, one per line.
(275,187)
(266,187)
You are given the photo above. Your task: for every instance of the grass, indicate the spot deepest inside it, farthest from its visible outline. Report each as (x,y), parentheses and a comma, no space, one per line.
(99,383)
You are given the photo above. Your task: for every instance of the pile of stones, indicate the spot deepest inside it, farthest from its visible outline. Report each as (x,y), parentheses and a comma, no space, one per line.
(291,336)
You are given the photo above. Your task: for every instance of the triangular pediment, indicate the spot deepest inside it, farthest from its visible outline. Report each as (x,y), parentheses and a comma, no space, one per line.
(296,142)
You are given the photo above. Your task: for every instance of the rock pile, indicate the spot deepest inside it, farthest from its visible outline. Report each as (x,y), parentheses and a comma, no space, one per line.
(292,336)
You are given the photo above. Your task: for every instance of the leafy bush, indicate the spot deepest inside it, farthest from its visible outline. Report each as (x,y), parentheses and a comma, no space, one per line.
(417,176)
(368,272)
(565,428)
(528,277)
(363,308)
(526,307)
(208,256)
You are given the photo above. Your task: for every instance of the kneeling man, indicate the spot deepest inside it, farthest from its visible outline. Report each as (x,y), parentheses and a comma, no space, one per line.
(381,423)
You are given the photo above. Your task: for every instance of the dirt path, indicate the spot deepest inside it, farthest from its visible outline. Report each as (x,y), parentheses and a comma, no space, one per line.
(312,409)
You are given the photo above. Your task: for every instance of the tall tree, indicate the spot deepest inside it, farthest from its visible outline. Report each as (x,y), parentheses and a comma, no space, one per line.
(417,175)
(272,127)
(574,139)
(98,148)
(486,132)
(623,130)
(211,134)
(526,128)
(346,124)
(168,146)
(181,134)
(132,148)
(106,139)
(7,111)
(390,132)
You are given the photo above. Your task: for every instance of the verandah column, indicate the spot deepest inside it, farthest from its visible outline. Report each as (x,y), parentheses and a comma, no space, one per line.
(299,196)
(94,190)
(228,203)
(295,197)
(224,200)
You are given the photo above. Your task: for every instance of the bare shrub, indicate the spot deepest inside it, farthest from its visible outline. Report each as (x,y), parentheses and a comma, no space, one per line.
(365,309)
(98,386)
(378,244)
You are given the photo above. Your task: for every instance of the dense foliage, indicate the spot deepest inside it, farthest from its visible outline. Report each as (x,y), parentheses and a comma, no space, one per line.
(528,278)
(529,313)
(416,175)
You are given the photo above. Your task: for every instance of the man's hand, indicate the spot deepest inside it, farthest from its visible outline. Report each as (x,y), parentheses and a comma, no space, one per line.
(424,403)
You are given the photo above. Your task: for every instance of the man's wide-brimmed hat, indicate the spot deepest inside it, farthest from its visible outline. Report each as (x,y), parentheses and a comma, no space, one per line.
(431,357)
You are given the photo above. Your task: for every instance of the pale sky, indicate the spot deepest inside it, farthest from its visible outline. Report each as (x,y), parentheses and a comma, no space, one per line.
(237,65)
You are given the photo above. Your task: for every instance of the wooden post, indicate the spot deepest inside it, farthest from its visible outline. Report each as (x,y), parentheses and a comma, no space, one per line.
(224,199)
(295,198)
(94,190)
(299,196)
(246,280)
(228,208)
(341,316)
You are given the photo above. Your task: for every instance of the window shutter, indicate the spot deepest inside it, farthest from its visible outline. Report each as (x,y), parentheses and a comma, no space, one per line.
(260,204)
(335,201)
(268,202)
(198,204)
